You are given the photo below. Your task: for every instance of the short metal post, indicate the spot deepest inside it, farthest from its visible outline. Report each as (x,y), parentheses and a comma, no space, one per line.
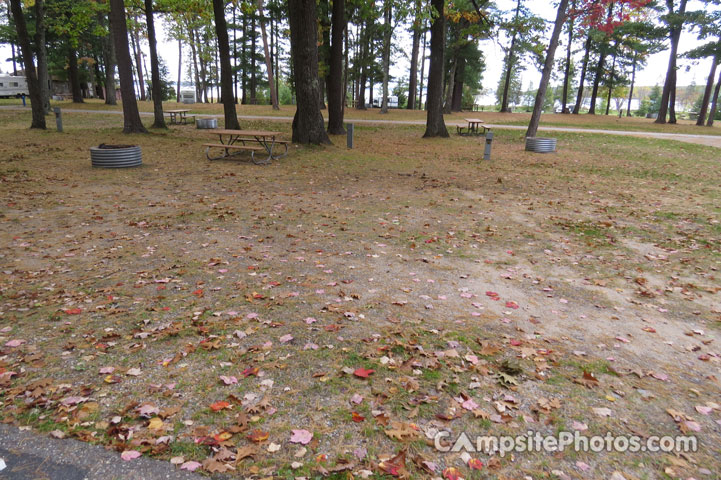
(58,118)
(349,138)
(489,141)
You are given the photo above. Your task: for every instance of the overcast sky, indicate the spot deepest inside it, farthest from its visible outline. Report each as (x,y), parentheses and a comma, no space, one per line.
(653,74)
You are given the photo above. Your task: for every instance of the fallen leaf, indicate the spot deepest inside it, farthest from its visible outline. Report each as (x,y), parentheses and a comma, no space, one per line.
(301,436)
(129,455)
(363,373)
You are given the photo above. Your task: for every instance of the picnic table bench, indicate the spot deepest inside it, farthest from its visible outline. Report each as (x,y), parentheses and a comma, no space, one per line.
(233,142)
(475,127)
(178,117)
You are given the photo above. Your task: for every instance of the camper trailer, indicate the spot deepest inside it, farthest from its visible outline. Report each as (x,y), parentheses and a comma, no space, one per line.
(187,96)
(13,86)
(392,102)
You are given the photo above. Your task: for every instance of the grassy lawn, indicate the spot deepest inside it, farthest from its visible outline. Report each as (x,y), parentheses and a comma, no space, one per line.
(601,122)
(202,312)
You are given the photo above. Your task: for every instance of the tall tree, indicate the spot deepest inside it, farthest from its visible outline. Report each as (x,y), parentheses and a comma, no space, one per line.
(413,80)
(674,19)
(547,68)
(36,98)
(226,72)
(109,60)
(709,24)
(131,115)
(268,59)
(157,87)
(567,66)
(42,55)
(714,102)
(335,73)
(435,125)
(308,125)
(386,51)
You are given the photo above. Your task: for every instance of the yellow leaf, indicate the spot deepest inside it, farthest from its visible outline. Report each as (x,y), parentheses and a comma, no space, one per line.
(155,424)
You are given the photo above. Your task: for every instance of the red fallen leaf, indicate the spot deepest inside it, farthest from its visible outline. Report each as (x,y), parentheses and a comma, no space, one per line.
(649,329)
(704,358)
(258,436)
(452,473)
(198,292)
(218,406)
(395,466)
(511,304)
(363,373)
(493,295)
(516,343)
(357,417)
(250,371)
(475,464)
(73,311)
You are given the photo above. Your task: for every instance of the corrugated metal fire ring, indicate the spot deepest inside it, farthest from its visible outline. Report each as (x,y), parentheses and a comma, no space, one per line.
(540,144)
(116,156)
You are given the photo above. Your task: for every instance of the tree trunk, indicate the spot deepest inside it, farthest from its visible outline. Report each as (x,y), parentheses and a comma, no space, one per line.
(670,83)
(611,79)
(413,77)
(138,61)
(110,62)
(547,69)
(36,96)
(159,119)
(196,73)
(579,95)
(180,69)
(244,63)
(423,69)
(268,60)
(714,102)
(387,32)
(510,62)
(435,125)
(15,64)
(567,69)
(308,124)
(131,116)
(335,72)
(597,80)
(449,86)
(361,104)
(226,71)
(633,83)
(73,75)
(253,82)
(457,99)
(42,54)
(707,93)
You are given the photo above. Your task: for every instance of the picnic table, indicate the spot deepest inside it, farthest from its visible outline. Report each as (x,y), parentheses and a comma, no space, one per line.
(475,127)
(233,142)
(178,117)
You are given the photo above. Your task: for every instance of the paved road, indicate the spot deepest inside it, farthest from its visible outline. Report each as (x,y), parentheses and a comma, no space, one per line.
(710,140)
(30,456)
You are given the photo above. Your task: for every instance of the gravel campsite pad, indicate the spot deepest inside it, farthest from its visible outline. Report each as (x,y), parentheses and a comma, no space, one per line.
(332,312)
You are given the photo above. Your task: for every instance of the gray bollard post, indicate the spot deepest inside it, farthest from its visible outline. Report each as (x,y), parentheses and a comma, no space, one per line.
(58,119)
(489,141)
(349,131)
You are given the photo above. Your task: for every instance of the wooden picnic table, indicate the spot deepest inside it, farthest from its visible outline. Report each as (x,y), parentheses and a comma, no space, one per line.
(236,141)
(475,127)
(178,117)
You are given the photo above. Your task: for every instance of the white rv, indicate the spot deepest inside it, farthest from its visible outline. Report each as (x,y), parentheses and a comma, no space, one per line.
(13,86)
(187,96)
(392,102)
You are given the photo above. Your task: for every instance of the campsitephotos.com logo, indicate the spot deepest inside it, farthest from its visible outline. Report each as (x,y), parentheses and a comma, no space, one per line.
(575,441)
